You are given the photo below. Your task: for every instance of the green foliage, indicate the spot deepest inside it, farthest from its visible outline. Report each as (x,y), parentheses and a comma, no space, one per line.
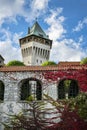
(15,63)
(80,102)
(30,98)
(72,112)
(83,61)
(67,85)
(46,63)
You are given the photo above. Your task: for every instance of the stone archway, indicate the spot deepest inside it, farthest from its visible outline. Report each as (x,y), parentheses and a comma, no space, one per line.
(67,88)
(31,88)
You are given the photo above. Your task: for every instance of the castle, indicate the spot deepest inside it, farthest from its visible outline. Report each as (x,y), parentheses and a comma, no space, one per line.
(35,47)
(19,82)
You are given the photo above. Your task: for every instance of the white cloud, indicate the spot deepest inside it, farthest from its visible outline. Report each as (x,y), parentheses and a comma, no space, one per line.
(37,8)
(9,49)
(63,52)
(9,52)
(63,49)
(80,25)
(81,38)
(39,5)
(9,9)
(55,21)
(16,37)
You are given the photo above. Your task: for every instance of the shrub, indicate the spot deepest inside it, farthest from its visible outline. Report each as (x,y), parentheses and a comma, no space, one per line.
(15,63)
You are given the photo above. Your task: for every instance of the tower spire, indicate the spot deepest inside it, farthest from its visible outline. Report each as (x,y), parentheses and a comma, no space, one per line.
(35,47)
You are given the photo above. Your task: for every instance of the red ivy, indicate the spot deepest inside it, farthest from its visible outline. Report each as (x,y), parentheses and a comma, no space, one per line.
(79,75)
(70,120)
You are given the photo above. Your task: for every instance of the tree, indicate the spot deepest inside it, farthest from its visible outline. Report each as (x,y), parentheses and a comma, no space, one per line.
(80,102)
(15,63)
(72,112)
(83,61)
(46,63)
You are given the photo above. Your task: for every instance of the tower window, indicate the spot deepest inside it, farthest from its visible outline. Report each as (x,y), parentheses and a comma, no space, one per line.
(24,40)
(28,39)
(37,60)
(47,42)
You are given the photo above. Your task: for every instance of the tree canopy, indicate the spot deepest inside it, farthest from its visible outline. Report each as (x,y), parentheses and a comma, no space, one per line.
(46,63)
(15,63)
(83,61)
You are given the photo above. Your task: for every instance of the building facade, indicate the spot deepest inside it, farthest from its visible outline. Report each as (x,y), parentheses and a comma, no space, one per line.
(36,46)
(18,83)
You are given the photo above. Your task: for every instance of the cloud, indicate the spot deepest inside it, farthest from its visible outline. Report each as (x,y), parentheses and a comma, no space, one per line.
(10,9)
(29,10)
(9,49)
(80,25)
(63,49)
(37,8)
(55,21)
(39,5)
(16,37)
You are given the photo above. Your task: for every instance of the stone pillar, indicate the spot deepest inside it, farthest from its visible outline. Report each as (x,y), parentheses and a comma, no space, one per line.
(11,91)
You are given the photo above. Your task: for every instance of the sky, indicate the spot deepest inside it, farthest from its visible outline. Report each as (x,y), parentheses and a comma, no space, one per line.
(65,21)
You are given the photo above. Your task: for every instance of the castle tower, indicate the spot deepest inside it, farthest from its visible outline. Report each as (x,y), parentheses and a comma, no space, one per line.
(36,46)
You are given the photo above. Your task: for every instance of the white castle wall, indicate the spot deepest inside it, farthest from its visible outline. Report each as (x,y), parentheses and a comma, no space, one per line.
(12,81)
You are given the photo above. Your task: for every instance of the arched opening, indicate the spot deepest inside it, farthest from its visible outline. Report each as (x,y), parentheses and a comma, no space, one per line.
(31,87)
(1,91)
(67,88)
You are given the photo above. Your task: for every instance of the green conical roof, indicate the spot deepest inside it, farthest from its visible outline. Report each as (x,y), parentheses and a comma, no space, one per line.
(37,30)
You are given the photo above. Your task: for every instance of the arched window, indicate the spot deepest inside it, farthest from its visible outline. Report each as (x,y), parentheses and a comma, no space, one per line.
(25,90)
(1,91)
(73,91)
(67,89)
(61,91)
(31,87)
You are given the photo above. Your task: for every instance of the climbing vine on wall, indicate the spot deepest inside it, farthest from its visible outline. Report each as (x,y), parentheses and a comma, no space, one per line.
(79,75)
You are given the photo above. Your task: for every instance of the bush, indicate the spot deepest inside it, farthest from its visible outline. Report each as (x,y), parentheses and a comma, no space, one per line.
(46,63)
(83,61)
(15,63)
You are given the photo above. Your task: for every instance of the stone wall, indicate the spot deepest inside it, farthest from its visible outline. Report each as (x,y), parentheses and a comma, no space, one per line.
(49,80)
(12,82)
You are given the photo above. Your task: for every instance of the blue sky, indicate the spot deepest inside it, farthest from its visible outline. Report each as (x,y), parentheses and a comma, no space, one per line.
(65,21)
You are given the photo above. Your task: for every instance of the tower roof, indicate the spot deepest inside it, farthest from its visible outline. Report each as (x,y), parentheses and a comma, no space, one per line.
(37,30)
